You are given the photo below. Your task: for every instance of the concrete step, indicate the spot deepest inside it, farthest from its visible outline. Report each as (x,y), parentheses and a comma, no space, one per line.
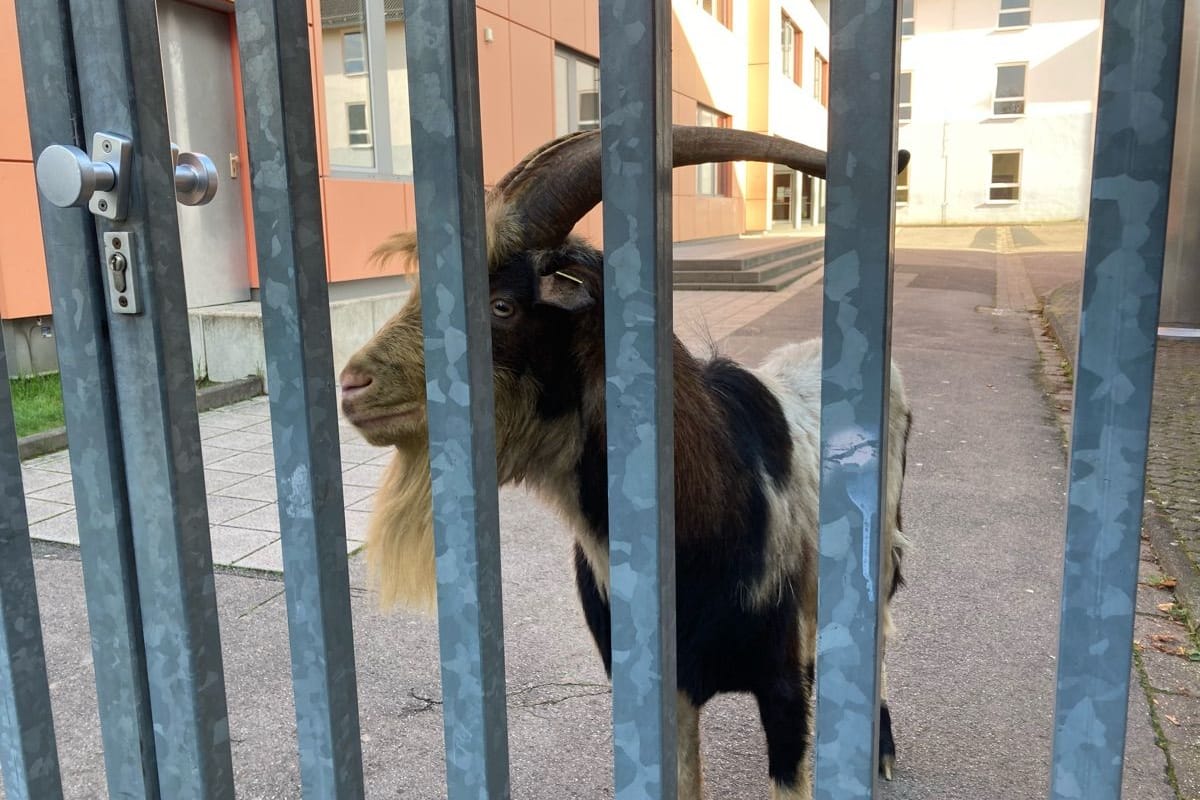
(781,280)
(761,273)
(743,254)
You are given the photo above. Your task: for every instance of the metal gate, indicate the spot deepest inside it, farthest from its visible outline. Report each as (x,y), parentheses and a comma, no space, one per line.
(94,81)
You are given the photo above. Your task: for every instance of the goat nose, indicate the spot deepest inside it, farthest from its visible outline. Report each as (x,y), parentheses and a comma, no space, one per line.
(354,382)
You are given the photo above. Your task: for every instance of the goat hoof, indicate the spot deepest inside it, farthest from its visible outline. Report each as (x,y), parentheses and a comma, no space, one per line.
(886,765)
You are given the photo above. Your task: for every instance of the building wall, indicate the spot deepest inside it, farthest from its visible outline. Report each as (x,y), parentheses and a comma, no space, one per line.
(953,57)
(731,68)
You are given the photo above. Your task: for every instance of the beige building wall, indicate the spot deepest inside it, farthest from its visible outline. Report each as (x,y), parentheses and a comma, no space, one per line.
(953,58)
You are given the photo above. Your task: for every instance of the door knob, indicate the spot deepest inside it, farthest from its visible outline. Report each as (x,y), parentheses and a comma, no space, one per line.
(195,177)
(67,176)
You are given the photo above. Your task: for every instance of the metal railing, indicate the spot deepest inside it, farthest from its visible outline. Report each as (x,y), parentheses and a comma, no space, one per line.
(93,65)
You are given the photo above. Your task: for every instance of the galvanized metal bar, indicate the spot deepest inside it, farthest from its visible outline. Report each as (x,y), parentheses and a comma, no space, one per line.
(448,177)
(280,123)
(1114,381)
(854,391)
(120,67)
(28,753)
(635,71)
(79,299)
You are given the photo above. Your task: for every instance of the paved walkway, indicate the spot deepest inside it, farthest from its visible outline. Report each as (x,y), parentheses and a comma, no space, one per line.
(972,672)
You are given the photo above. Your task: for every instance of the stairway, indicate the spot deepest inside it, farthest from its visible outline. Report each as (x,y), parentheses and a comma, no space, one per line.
(746,264)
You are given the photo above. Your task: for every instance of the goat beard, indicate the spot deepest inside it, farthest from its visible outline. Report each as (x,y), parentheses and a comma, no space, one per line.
(400,549)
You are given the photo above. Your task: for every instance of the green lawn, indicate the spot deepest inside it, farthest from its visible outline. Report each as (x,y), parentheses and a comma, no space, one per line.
(37,403)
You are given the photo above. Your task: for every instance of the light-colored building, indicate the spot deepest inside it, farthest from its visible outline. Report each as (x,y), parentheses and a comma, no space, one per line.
(997,105)
(755,64)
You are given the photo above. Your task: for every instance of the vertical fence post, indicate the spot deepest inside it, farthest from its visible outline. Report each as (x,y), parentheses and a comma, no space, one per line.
(79,298)
(28,755)
(448,176)
(854,395)
(118,58)
(635,72)
(1114,381)
(280,122)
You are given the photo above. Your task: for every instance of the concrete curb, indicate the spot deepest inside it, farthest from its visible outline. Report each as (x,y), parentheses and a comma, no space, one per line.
(208,398)
(1061,313)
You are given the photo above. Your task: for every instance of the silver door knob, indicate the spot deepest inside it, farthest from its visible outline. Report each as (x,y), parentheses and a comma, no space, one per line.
(195,177)
(67,177)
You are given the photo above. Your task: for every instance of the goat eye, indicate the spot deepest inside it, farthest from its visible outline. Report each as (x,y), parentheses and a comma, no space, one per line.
(502,308)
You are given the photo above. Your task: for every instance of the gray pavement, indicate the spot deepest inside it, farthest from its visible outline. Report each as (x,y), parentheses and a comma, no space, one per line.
(971,674)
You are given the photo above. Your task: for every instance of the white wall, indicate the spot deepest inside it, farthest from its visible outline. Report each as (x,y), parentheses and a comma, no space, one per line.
(953,59)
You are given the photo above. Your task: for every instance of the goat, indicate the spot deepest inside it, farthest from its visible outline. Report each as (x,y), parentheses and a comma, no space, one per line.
(746,452)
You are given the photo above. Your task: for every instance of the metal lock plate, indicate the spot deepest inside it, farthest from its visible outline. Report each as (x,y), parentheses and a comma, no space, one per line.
(119,260)
(108,148)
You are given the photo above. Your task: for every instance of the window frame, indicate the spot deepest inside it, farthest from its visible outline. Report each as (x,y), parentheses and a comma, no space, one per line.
(903,105)
(573,58)
(994,185)
(373,27)
(365,130)
(908,18)
(1021,98)
(722,172)
(820,78)
(720,10)
(793,67)
(362,59)
(1026,9)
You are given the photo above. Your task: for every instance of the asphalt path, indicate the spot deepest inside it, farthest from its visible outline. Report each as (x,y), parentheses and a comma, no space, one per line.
(971,673)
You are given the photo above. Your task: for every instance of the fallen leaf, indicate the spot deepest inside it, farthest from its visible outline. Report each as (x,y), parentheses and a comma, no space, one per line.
(1165,607)
(1171,719)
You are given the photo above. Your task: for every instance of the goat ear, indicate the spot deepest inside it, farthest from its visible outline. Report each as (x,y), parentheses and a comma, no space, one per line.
(564,290)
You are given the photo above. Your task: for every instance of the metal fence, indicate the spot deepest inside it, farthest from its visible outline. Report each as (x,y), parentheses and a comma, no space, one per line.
(92,66)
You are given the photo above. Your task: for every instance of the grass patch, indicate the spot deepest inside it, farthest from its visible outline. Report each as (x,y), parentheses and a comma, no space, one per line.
(37,403)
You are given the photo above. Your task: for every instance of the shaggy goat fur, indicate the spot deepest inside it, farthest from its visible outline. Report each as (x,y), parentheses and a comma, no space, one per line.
(746,488)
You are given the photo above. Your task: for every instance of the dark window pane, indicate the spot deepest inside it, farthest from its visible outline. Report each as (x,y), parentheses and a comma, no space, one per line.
(1010,81)
(908,28)
(1004,193)
(905,87)
(1008,107)
(357,116)
(1006,5)
(353,55)
(1014,19)
(1006,167)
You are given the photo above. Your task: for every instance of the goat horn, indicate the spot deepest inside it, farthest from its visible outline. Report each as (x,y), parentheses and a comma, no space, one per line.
(556,185)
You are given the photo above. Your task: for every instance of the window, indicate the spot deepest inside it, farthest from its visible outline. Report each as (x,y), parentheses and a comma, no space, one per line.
(713,180)
(1014,14)
(908,22)
(902,187)
(354,54)
(791,47)
(904,97)
(719,9)
(356,124)
(821,79)
(1010,90)
(1006,176)
(364,87)
(576,93)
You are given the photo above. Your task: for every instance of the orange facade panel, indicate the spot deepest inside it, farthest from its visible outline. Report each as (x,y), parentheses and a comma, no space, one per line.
(24,287)
(14,133)
(495,95)
(359,216)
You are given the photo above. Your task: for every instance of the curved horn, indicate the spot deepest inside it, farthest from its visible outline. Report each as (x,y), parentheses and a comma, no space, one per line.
(554,186)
